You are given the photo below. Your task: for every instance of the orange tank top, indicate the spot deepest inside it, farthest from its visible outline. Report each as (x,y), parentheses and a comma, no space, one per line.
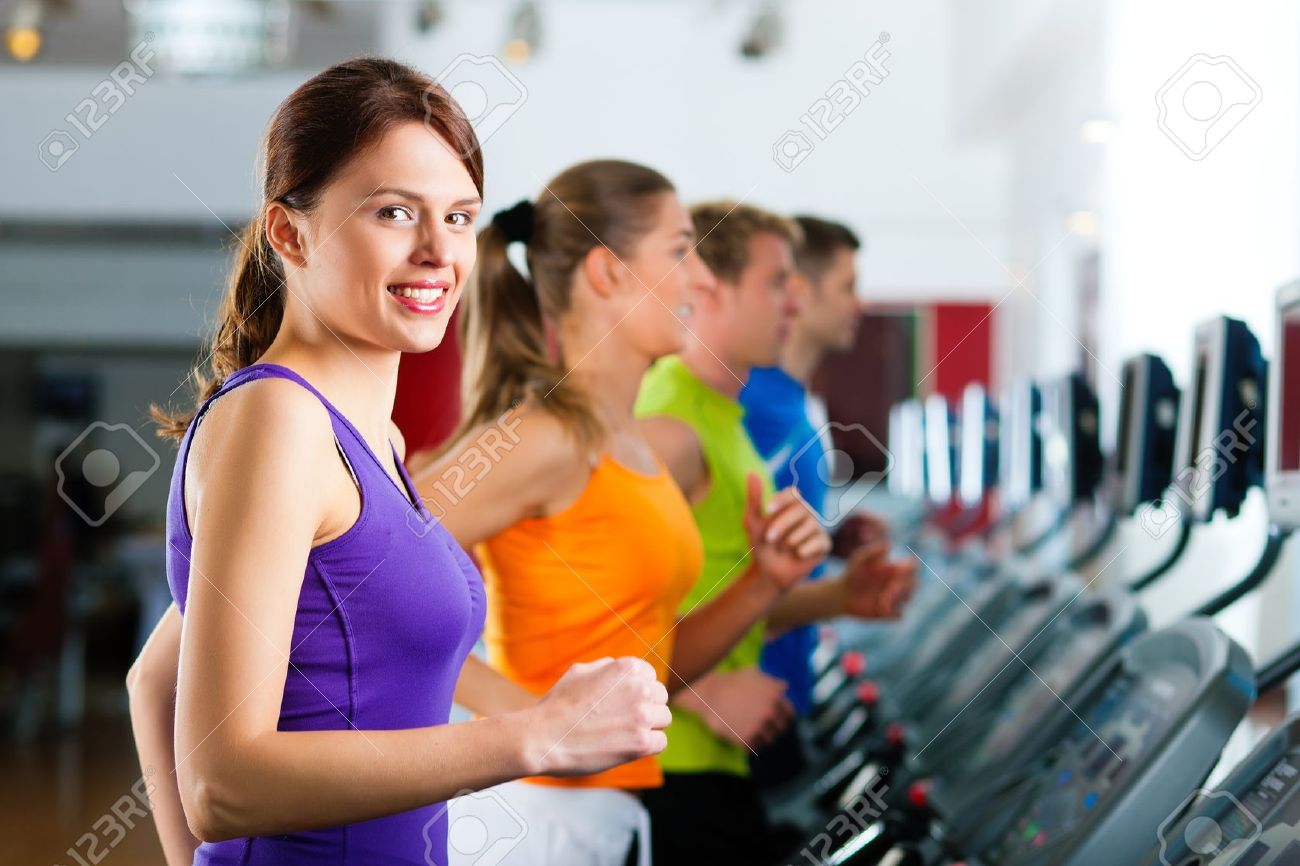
(603,577)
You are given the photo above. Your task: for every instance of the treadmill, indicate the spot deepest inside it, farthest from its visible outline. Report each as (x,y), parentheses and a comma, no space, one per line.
(1144,728)
(1252,817)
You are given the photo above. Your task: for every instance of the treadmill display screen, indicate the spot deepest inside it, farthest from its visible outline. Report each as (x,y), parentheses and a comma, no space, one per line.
(1116,734)
(1289,393)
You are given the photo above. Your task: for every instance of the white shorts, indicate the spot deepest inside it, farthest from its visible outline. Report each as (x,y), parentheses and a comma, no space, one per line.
(543,825)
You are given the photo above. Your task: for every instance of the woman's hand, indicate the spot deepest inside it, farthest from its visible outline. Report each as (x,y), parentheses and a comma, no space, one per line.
(787,538)
(598,715)
(746,707)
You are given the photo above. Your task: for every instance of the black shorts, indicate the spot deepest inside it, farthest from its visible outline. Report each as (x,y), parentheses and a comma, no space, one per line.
(712,819)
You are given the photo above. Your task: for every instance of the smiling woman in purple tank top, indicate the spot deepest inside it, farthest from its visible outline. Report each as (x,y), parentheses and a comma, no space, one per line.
(327,614)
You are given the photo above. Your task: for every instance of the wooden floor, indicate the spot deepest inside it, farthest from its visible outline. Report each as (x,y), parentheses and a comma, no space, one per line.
(54,791)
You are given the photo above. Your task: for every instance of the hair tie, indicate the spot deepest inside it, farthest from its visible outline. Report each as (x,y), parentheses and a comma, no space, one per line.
(516,223)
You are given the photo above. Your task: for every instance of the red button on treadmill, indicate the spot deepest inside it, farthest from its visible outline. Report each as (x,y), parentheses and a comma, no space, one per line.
(853,663)
(918,794)
(868,693)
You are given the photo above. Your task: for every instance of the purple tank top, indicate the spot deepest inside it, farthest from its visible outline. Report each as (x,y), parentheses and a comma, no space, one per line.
(386,615)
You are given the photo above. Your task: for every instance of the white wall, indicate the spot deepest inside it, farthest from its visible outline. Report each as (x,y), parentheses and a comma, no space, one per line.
(657,82)
(663,83)
(1181,240)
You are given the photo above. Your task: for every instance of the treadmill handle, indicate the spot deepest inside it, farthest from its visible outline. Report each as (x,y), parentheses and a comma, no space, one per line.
(1098,544)
(1062,518)
(1278,670)
(1184,535)
(1267,559)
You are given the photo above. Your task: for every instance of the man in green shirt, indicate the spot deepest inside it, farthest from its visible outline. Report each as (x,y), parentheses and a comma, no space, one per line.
(708,810)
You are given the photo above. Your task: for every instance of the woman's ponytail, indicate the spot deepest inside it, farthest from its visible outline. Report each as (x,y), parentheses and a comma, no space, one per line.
(505,353)
(506,344)
(247,322)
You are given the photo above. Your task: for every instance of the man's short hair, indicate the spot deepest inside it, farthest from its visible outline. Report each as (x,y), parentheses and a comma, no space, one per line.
(723,229)
(820,240)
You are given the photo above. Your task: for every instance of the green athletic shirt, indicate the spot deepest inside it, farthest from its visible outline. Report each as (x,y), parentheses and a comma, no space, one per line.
(670,388)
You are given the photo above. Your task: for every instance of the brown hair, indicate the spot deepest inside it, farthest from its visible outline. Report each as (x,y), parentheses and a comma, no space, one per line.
(606,203)
(328,121)
(724,229)
(821,239)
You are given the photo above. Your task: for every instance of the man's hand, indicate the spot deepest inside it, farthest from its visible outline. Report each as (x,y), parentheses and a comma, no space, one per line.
(876,587)
(858,529)
(746,707)
(787,538)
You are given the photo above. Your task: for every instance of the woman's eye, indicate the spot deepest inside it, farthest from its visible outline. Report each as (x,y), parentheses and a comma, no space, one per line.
(460,218)
(682,253)
(395,209)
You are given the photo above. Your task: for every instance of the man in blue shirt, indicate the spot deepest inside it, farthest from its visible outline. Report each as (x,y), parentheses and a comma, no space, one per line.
(789,427)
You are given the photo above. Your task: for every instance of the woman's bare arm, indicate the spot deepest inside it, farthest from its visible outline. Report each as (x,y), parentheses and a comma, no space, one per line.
(151,688)
(260,500)
(524,465)
(482,689)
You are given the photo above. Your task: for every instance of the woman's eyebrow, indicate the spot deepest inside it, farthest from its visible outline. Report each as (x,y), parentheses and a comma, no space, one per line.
(413,196)
(392,190)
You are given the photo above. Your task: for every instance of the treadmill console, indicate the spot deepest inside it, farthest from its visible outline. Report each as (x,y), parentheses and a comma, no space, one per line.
(1072,460)
(978,457)
(1251,819)
(1115,737)
(1063,663)
(1150,723)
(1033,612)
(940,450)
(906,478)
(1282,482)
(1148,420)
(1020,444)
(1033,714)
(1219,454)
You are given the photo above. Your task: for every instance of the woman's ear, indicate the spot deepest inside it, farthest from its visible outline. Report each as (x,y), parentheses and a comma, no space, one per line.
(285,233)
(604,271)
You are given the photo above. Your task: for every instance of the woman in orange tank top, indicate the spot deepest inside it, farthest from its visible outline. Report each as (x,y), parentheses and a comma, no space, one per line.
(587,543)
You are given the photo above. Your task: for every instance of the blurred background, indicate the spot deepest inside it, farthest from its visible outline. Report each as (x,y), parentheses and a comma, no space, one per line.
(1043,186)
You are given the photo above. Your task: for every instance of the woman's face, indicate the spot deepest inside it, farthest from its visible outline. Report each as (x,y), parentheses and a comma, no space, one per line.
(391,244)
(665,265)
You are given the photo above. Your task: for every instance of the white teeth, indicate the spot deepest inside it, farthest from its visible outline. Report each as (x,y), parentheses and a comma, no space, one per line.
(423,296)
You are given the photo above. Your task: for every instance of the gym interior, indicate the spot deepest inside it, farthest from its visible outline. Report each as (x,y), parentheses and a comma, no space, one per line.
(1064,416)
